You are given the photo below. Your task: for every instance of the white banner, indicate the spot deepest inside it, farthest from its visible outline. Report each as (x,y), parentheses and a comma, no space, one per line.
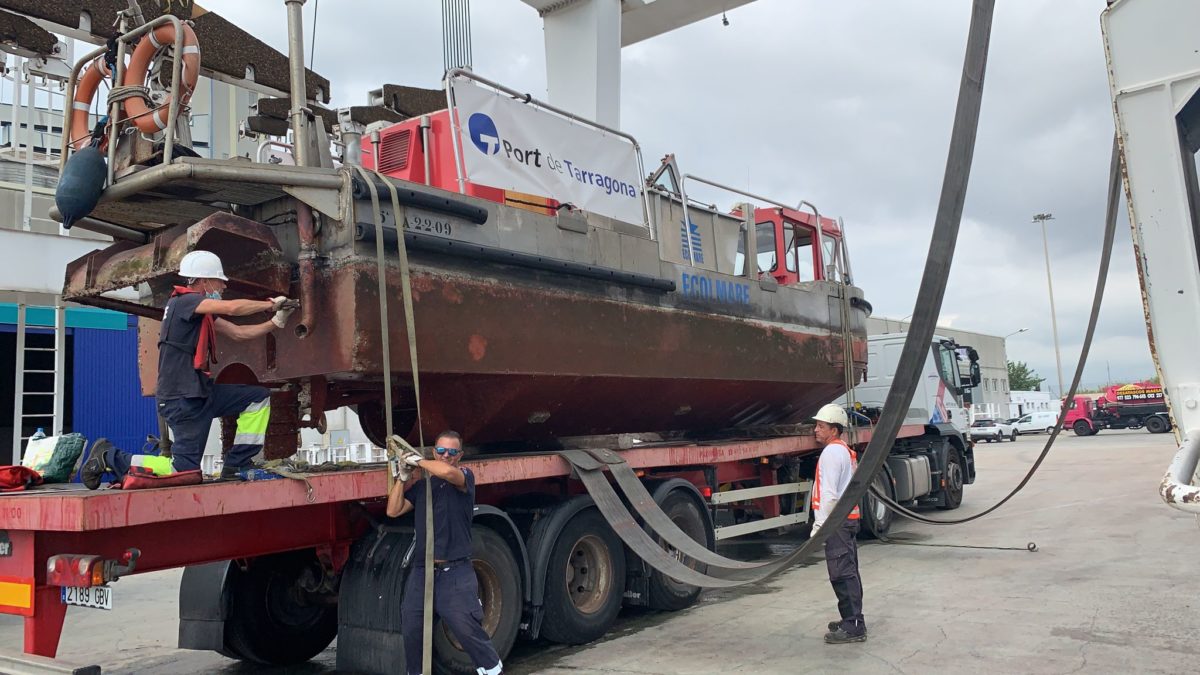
(517,146)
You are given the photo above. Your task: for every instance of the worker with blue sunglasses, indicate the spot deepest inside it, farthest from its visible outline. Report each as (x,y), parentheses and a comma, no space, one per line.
(455,588)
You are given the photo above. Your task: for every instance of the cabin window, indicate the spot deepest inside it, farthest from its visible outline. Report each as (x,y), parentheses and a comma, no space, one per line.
(800,248)
(765,235)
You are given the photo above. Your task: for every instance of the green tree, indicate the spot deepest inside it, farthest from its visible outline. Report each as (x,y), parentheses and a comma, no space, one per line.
(1023,378)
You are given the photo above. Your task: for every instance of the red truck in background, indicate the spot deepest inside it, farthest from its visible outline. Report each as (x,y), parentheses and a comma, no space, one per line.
(1128,406)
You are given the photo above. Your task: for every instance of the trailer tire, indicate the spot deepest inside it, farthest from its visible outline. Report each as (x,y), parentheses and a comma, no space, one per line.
(271,621)
(877,518)
(1082,428)
(666,593)
(1155,424)
(952,490)
(585,582)
(500,592)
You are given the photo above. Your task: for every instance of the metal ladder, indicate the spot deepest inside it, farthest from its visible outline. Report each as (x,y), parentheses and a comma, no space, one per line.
(53,419)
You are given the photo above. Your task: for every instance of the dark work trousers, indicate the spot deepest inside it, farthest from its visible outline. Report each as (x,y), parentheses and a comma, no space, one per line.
(191,419)
(456,602)
(841,557)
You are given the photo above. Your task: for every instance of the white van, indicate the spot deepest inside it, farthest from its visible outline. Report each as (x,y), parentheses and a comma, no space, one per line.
(1036,423)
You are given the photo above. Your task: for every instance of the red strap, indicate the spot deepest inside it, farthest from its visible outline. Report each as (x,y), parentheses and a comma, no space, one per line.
(206,346)
(138,480)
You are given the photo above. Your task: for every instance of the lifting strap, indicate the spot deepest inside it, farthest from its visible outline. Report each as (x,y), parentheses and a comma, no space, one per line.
(368,177)
(589,466)
(643,502)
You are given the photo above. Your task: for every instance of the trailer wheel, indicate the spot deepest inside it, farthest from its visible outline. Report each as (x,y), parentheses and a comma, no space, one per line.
(585,581)
(272,620)
(665,592)
(1082,428)
(877,518)
(1156,424)
(500,592)
(952,488)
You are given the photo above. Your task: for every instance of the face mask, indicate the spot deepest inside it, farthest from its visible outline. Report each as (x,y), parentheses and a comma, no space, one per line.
(214,295)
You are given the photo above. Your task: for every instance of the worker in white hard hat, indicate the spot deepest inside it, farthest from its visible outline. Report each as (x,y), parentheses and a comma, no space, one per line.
(834,469)
(186,395)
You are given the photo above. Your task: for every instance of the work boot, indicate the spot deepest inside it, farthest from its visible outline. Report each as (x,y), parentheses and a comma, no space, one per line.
(835,625)
(96,465)
(232,472)
(841,637)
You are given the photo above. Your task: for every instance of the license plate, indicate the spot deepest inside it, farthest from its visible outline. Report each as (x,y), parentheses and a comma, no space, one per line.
(98,597)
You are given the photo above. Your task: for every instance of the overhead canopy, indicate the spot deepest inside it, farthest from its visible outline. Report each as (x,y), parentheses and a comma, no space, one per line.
(644,19)
(229,53)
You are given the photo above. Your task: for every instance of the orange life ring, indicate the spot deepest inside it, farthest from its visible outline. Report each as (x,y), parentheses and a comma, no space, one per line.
(85,90)
(136,110)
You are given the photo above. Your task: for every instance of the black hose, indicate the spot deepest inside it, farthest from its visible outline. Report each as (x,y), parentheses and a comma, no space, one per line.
(937,268)
(933,283)
(1110,229)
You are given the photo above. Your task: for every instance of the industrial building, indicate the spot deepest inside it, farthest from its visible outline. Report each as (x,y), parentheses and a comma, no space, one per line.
(992,397)
(71,368)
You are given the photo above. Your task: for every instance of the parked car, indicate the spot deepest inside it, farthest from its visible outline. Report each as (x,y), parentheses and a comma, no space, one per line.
(992,430)
(1037,422)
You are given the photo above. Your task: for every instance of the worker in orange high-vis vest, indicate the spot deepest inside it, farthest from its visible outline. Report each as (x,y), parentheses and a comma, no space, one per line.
(834,469)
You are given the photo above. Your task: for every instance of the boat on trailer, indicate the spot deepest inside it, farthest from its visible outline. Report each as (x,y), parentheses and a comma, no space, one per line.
(545,315)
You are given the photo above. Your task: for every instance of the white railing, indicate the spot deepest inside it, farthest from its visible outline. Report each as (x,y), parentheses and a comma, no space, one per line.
(359,453)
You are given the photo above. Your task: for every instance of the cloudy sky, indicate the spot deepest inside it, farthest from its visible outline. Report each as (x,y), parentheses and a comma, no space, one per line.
(848,105)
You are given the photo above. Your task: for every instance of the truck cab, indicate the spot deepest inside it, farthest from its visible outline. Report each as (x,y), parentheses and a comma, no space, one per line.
(943,393)
(1080,414)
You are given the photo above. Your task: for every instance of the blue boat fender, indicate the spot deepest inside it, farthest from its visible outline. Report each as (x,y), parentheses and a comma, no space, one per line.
(81,185)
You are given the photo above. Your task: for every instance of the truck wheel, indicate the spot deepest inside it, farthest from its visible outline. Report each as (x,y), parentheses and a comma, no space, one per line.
(665,592)
(1049,430)
(1082,428)
(272,620)
(1156,424)
(500,592)
(952,490)
(585,582)
(877,518)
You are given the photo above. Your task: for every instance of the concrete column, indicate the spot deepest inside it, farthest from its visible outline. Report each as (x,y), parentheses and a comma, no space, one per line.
(583,59)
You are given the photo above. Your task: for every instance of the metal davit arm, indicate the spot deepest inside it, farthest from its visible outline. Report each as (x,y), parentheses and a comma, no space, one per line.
(1178,489)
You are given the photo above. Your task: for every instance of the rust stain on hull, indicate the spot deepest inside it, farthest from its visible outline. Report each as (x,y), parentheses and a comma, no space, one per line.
(508,355)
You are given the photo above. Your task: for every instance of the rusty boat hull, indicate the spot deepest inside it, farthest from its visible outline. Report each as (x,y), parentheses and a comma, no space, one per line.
(528,349)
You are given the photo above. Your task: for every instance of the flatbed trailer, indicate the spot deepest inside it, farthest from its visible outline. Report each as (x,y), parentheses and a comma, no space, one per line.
(326,539)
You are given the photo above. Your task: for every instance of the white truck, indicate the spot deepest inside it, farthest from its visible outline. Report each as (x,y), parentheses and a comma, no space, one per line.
(930,470)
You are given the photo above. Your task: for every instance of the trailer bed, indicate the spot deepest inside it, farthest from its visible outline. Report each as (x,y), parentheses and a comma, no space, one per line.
(216,521)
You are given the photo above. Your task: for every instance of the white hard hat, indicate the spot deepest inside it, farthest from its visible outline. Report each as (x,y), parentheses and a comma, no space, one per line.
(832,414)
(201,265)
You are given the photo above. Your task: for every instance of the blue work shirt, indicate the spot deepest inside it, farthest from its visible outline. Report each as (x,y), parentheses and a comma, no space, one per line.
(453,510)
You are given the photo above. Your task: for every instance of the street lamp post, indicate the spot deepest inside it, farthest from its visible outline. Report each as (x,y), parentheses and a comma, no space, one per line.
(1015,332)
(1042,218)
